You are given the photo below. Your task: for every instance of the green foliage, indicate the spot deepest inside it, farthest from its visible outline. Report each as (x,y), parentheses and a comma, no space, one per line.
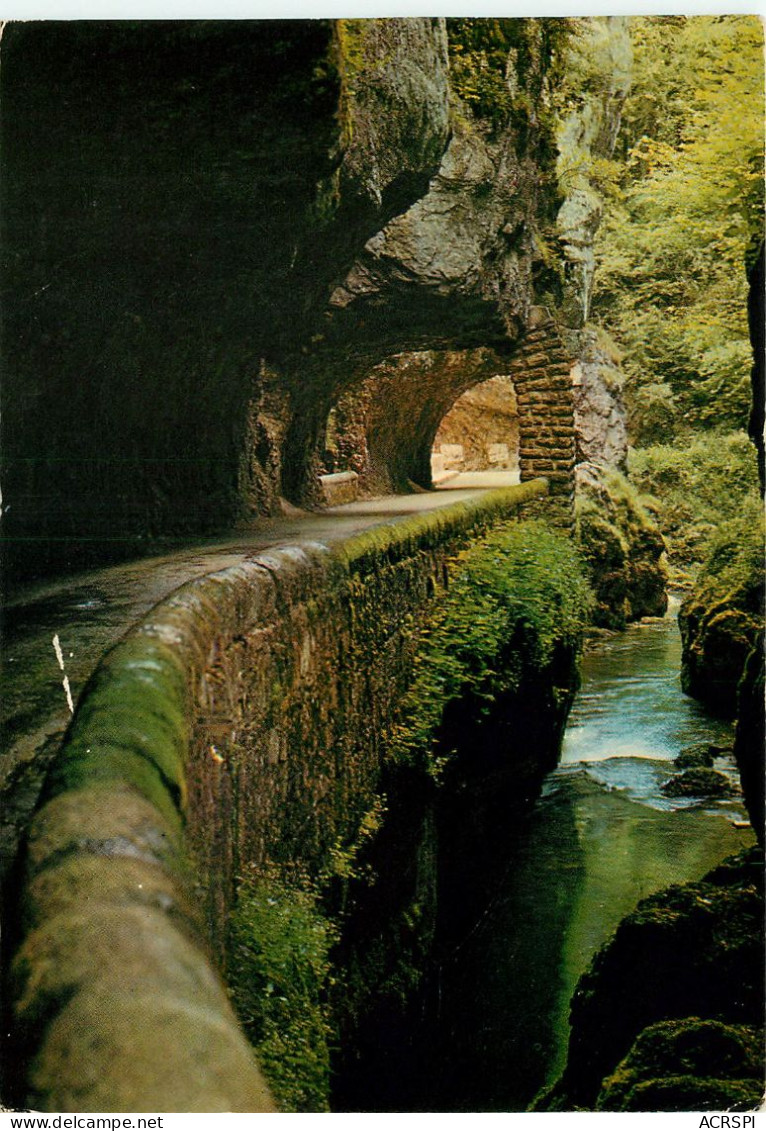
(497,65)
(279,950)
(673,244)
(512,600)
(696,487)
(597,76)
(344,858)
(734,566)
(479,72)
(622,548)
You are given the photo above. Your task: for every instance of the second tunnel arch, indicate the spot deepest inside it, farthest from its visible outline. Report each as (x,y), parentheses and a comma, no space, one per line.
(384,427)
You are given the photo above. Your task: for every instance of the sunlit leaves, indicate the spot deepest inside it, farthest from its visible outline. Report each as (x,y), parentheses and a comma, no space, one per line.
(672,248)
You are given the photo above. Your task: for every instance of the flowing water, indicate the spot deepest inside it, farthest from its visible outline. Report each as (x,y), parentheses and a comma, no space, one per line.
(601,837)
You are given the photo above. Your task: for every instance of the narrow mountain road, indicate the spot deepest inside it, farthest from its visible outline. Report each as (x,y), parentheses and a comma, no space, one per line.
(88,612)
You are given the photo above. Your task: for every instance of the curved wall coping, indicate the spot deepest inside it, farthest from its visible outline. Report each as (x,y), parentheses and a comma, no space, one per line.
(117,1002)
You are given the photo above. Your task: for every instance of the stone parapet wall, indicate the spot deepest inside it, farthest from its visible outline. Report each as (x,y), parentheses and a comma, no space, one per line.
(241,723)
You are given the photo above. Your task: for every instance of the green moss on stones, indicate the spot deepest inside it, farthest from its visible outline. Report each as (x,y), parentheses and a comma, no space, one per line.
(107,912)
(699,782)
(130,726)
(688,1065)
(280,944)
(691,952)
(397,540)
(118,1004)
(692,757)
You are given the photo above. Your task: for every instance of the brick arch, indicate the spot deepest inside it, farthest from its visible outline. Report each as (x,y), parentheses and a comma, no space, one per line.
(541,372)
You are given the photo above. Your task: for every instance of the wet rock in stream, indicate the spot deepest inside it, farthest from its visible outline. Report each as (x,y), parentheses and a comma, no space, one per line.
(698,782)
(688,955)
(680,1065)
(701,754)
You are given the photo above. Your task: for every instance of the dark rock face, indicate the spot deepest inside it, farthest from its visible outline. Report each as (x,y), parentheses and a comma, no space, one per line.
(622,546)
(692,952)
(700,782)
(435,862)
(466,248)
(234,224)
(715,659)
(203,183)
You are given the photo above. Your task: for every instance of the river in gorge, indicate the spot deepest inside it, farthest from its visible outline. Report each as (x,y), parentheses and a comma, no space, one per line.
(601,837)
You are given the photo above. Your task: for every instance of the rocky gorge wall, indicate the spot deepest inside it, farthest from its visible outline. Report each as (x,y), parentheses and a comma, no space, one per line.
(235,223)
(240,723)
(204,182)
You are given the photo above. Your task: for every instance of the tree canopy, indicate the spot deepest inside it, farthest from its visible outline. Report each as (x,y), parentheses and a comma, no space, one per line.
(684,210)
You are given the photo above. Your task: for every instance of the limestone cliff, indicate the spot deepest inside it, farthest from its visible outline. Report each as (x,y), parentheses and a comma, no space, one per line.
(202,185)
(597,380)
(437,300)
(601,56)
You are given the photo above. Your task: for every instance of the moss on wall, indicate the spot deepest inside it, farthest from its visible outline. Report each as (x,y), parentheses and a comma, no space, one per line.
(246,709)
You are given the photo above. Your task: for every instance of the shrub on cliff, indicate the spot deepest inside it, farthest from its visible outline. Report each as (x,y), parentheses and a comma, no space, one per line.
(512,601)
(621,546)
(696,486)
(497,64)
(722,616)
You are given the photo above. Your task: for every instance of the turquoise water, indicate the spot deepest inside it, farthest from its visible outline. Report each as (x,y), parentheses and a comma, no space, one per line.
(600,838)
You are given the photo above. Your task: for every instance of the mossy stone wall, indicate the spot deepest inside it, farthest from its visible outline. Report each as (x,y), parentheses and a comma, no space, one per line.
(239,724)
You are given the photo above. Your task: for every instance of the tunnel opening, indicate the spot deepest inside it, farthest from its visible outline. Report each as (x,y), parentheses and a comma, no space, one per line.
(479,433)
(409,420)
(384,428)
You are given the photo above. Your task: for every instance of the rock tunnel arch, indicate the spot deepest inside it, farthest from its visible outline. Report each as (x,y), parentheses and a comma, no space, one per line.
(479,433)
(384,427)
